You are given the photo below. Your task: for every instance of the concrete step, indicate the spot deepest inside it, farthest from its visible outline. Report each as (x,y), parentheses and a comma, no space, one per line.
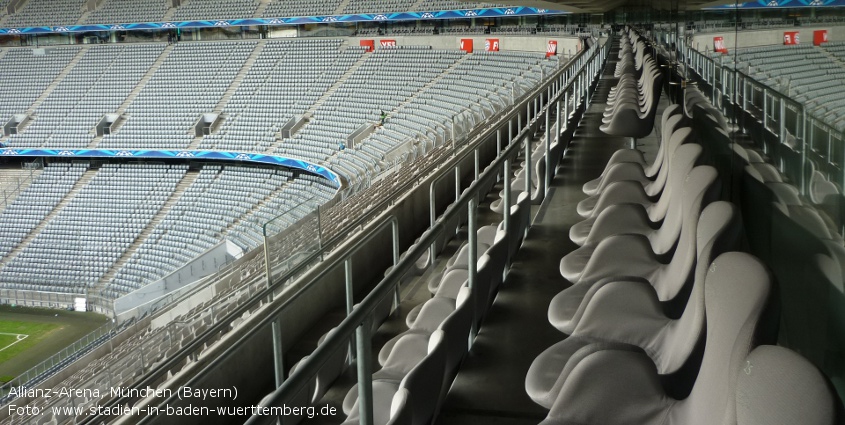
(77,187)
(46,93)
(186,182)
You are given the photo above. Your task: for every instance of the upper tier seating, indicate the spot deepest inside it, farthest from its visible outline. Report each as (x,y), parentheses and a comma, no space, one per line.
(47,13)
(194,10)
(806,73)
(186,85)
(128,11)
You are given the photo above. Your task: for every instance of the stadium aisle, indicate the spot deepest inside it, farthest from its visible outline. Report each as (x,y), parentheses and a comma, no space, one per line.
(490,386)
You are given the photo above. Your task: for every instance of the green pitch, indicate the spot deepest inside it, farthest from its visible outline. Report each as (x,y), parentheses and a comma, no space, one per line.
(28,336)
(17,337)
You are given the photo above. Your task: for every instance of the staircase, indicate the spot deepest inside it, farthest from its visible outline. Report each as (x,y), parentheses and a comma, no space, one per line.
(13,182)
(84,16)
(417,6)
(431,83)
(77,187)
(46,93)
(834,58)
(168,16)
(233,88)
(275,194)
(423,89)
(184,184)
(341,7)
(262,6)
(137,90)
(322,99)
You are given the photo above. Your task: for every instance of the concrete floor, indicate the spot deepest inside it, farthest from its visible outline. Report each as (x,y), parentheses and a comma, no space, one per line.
(490,386)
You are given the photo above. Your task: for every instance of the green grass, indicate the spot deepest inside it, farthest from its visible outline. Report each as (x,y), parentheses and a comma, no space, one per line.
(36,332)
(49,331)
(6,340)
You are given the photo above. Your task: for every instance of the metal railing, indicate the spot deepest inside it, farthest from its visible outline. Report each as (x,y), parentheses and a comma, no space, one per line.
(786,120)
(58,360)
(356,325)
(257,285)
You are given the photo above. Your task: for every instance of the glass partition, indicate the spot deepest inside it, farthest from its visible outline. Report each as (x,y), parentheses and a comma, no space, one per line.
(784,156)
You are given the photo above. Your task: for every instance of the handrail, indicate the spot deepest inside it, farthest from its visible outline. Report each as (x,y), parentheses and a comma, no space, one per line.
(348,326)
(152,376)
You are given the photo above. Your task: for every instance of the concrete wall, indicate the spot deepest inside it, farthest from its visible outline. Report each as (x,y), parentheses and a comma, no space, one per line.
(704,41)
(567,45)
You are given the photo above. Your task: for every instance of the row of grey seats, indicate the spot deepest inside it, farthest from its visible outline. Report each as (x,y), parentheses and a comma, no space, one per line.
(652,312)
(632,104)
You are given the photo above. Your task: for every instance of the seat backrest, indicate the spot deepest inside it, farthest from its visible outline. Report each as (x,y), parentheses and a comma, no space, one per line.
(667,147)
(717,232)
(736,293)
(498,253)
(400,408)
(699,190)
(456,329)
(669,204)
(425,380)
(329,372)
(776,386)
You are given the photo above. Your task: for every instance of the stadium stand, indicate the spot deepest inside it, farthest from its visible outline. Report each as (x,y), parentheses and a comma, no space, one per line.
(805,73)
(653,298)
(47,13)
(128,11)
(283,8)
(215,9)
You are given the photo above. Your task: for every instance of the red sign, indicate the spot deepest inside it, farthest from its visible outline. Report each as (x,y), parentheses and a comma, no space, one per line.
(388,43)
(369,44)
(551,50)
(819,37)
(491,45)
(466,45)
(790,38)
(719,45)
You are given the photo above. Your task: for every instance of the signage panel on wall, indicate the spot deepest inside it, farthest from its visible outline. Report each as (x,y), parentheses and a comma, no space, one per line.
(719,45)
(491,45)
(369,44)
(388,43)
(466,45)
(551,50)
(819,37)
(791,38)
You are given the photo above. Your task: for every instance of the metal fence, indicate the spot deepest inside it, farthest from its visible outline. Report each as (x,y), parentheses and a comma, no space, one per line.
(59,360)
(803,140)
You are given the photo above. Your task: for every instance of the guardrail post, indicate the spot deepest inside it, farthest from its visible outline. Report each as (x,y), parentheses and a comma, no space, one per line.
(365,377)
(397,291)
(432,216)
(528,167)
(765,111)
(507,201)
(477,163)
(547,179)
(472,264)
(782,112)
(565,109)
(278,352)
(803,151)
(350,301)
